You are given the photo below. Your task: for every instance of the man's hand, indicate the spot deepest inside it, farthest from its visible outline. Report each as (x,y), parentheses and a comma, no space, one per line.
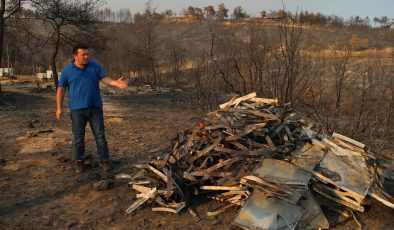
(118,83)
(121,84)
(59,114)
(59,102)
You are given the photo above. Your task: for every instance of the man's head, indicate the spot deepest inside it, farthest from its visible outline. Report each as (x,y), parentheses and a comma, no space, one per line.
(81,55)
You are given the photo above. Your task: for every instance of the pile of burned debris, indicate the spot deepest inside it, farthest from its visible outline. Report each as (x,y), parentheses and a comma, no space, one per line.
(260,155)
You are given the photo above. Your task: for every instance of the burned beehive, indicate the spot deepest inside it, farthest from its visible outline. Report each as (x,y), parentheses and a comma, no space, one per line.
(253,152)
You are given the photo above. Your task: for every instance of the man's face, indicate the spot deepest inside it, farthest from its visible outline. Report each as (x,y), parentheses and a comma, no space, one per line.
(81,57)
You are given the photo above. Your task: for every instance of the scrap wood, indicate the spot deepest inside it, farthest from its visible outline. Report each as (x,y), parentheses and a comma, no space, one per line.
(273,188)
(139,202)
(266,191)
(188,175)
(141,189)
(241,134)
(381,196)
(264,115)
(238,200)
(141,195)
(123,176)
(358,222)
(163,209)
(237,101)
(258,152)
(139,182)
(347,139)
(238,145)
(168,207)
(155,171)
(265,100)
(339,151)
(220,209)
(332,195)
(229,193)
(207,149)
(215,188)
(221,164)
(162,203)
(170,186)
(172,210)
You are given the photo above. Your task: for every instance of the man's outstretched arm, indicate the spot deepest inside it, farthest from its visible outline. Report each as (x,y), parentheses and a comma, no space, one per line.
(59,102)
(118,83)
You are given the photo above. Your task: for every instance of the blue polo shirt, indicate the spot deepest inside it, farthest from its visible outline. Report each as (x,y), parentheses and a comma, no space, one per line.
(83,85)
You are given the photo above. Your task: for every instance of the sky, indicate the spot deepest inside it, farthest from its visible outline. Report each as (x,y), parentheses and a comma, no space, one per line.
(343,8)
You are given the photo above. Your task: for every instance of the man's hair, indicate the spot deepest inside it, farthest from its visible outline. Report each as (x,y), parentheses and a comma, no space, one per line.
(79,46)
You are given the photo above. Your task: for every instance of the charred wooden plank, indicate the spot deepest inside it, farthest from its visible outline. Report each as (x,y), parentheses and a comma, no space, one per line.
(207,149)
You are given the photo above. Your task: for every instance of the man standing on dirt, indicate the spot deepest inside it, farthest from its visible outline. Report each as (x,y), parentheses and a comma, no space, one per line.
(82,77)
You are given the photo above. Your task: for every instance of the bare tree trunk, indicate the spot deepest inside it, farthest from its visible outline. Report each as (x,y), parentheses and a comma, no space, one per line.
(53,59)
(215,61)
(2,11)
(2,23)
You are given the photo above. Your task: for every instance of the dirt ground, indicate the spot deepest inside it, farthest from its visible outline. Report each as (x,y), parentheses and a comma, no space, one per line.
(39,189)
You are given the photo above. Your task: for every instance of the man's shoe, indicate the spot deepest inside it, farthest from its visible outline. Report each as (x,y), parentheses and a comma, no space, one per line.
(80,167)
(106,166)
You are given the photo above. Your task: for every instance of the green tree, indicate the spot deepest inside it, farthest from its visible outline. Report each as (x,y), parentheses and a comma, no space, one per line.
(190,12)
(222,12)
(168,13)
(263,14)
(209,12)
(239,13)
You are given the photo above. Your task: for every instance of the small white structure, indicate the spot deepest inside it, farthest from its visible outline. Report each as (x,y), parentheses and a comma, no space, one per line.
(50,74)
(41,76)
(47,75)
(7,72)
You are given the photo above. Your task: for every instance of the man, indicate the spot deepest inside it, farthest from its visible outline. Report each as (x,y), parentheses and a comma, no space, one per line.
(81,77)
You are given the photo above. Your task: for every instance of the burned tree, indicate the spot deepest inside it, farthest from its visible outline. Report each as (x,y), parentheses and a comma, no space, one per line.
(67,21)
(7,10)
(146,44)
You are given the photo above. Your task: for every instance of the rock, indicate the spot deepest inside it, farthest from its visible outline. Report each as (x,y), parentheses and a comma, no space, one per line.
(45,131)
(216,222)
(109,220)
(59,224)
(34,121)
(30,125)
(72,224)
(63,159)
(103,185)
(3,161)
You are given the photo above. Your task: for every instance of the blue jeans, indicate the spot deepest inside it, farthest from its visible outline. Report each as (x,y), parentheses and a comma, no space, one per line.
(79,118)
